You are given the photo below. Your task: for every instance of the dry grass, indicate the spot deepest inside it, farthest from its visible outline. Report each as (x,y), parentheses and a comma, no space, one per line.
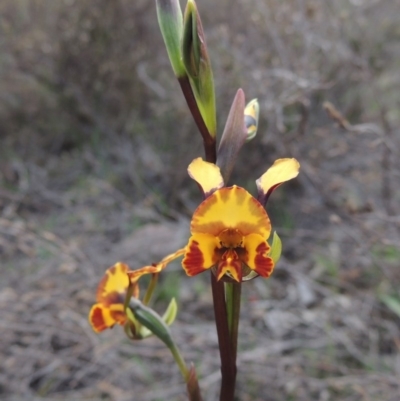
(95,140)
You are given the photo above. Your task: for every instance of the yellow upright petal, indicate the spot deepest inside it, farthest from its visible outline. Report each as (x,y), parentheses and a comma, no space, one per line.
(206,174)
(281,171)
(231,207)
(115,280)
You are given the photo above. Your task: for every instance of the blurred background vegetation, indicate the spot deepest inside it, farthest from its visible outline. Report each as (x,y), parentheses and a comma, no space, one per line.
(95,139)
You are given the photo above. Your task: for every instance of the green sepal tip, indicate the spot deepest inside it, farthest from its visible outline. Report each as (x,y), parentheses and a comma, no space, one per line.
(170,20)
(276,248)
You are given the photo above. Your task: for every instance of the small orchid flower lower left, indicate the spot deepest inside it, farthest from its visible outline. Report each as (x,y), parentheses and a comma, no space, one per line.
(117,285)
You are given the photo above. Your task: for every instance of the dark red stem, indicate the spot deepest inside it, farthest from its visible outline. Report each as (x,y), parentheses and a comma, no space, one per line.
(227,354)
(228,363)
(209,142)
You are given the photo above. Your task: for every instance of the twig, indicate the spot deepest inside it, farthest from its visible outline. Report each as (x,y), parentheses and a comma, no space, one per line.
(343,123)
(386,163)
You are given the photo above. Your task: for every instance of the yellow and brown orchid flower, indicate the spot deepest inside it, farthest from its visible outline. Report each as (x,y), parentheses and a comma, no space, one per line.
(230,228)
(112,291)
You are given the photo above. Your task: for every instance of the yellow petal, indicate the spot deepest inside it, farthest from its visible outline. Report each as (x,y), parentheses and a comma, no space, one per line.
(281,171)
(102,317)
(115,280)
(207,175)
(256,256)
(231,207)
(200,254)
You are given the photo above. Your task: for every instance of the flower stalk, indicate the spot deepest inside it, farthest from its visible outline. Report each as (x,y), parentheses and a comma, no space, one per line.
(228,363)
(230,229)
(155,323)
(209,141)
(150,288)
(233,298)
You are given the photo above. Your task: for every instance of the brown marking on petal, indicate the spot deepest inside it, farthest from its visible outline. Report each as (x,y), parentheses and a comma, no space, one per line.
(119,317)
(249,228)
(97,320)
(264,264)
(113,298)
(256,209)
(193,262)
(205,206)
(203,209)
(231,238)
(109,277)
(213,228)
(240,195)
(231,207)
(225,195)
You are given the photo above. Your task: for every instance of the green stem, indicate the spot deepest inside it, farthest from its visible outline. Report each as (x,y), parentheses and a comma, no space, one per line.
(189,376)
(150,289)
(179,361)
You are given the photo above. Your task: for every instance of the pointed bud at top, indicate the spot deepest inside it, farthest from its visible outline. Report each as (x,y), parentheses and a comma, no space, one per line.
(251,113)
(233,138)
(198,66)
(171,24)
